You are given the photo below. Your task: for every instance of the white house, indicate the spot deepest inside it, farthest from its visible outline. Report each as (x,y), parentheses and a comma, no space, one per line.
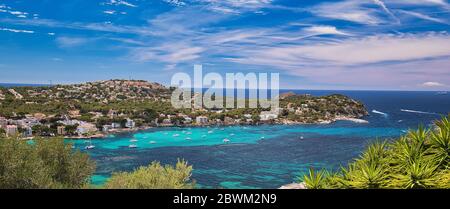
(268,115)
(11,130)
(116,125)
(86,128)
(130,123)
(201,120)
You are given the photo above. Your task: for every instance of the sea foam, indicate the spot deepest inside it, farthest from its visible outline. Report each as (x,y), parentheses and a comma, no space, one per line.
(381,113)
(418,112)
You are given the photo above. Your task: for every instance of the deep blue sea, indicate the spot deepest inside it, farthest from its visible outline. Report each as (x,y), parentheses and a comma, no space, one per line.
(269,156)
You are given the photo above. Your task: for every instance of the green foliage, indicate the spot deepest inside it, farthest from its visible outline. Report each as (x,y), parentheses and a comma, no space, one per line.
(154,176)
(315,180)
(45,163)
(418,160)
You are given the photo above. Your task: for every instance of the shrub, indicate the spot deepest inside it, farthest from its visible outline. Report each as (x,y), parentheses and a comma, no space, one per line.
(154,176)
(45,163)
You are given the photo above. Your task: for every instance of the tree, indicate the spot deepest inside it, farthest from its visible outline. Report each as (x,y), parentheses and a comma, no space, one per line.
(149,115)
(154,176)
(46,163)
(71,129)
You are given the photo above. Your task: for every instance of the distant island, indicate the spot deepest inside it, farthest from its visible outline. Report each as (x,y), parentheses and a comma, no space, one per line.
(96,109)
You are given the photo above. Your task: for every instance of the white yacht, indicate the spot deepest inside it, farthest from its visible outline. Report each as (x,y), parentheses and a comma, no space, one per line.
(90,146)
(226,141)
(132,146)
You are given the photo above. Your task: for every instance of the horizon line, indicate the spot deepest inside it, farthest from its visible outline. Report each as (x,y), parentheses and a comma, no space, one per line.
(287,89)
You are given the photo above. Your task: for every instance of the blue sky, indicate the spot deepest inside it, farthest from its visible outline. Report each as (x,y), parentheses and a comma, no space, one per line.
(348,44)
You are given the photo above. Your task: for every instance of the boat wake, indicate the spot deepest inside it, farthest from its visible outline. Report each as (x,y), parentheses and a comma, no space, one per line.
(381,113)
(418,112)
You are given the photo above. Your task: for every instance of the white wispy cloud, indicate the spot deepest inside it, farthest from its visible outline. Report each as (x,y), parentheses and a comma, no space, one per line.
(68,42)
(386,9)
(353,51)
(168,53)
(324,29)
(423,16)
(101,27)
(110,12)
(224,6)
(16,30)
(350,10)
(419,2)
(432,84)
(9,10)
(177,3)
(120,2)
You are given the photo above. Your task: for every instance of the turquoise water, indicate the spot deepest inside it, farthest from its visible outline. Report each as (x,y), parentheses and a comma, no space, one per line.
(267,156)
(173,137)
(255,156)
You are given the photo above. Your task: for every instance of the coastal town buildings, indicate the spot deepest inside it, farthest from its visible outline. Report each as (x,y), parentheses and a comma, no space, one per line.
(27,131)
(115,125)
(3,123)
(187,120)
(107,128)
(86,128)
(268,115)
(201,120)
(61,130)
(11,130)
(167,122)
(130,123)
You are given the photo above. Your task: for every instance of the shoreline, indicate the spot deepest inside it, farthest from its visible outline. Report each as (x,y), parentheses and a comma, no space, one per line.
(143,128)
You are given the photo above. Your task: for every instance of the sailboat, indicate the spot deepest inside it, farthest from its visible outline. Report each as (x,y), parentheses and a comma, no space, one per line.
(90,146)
